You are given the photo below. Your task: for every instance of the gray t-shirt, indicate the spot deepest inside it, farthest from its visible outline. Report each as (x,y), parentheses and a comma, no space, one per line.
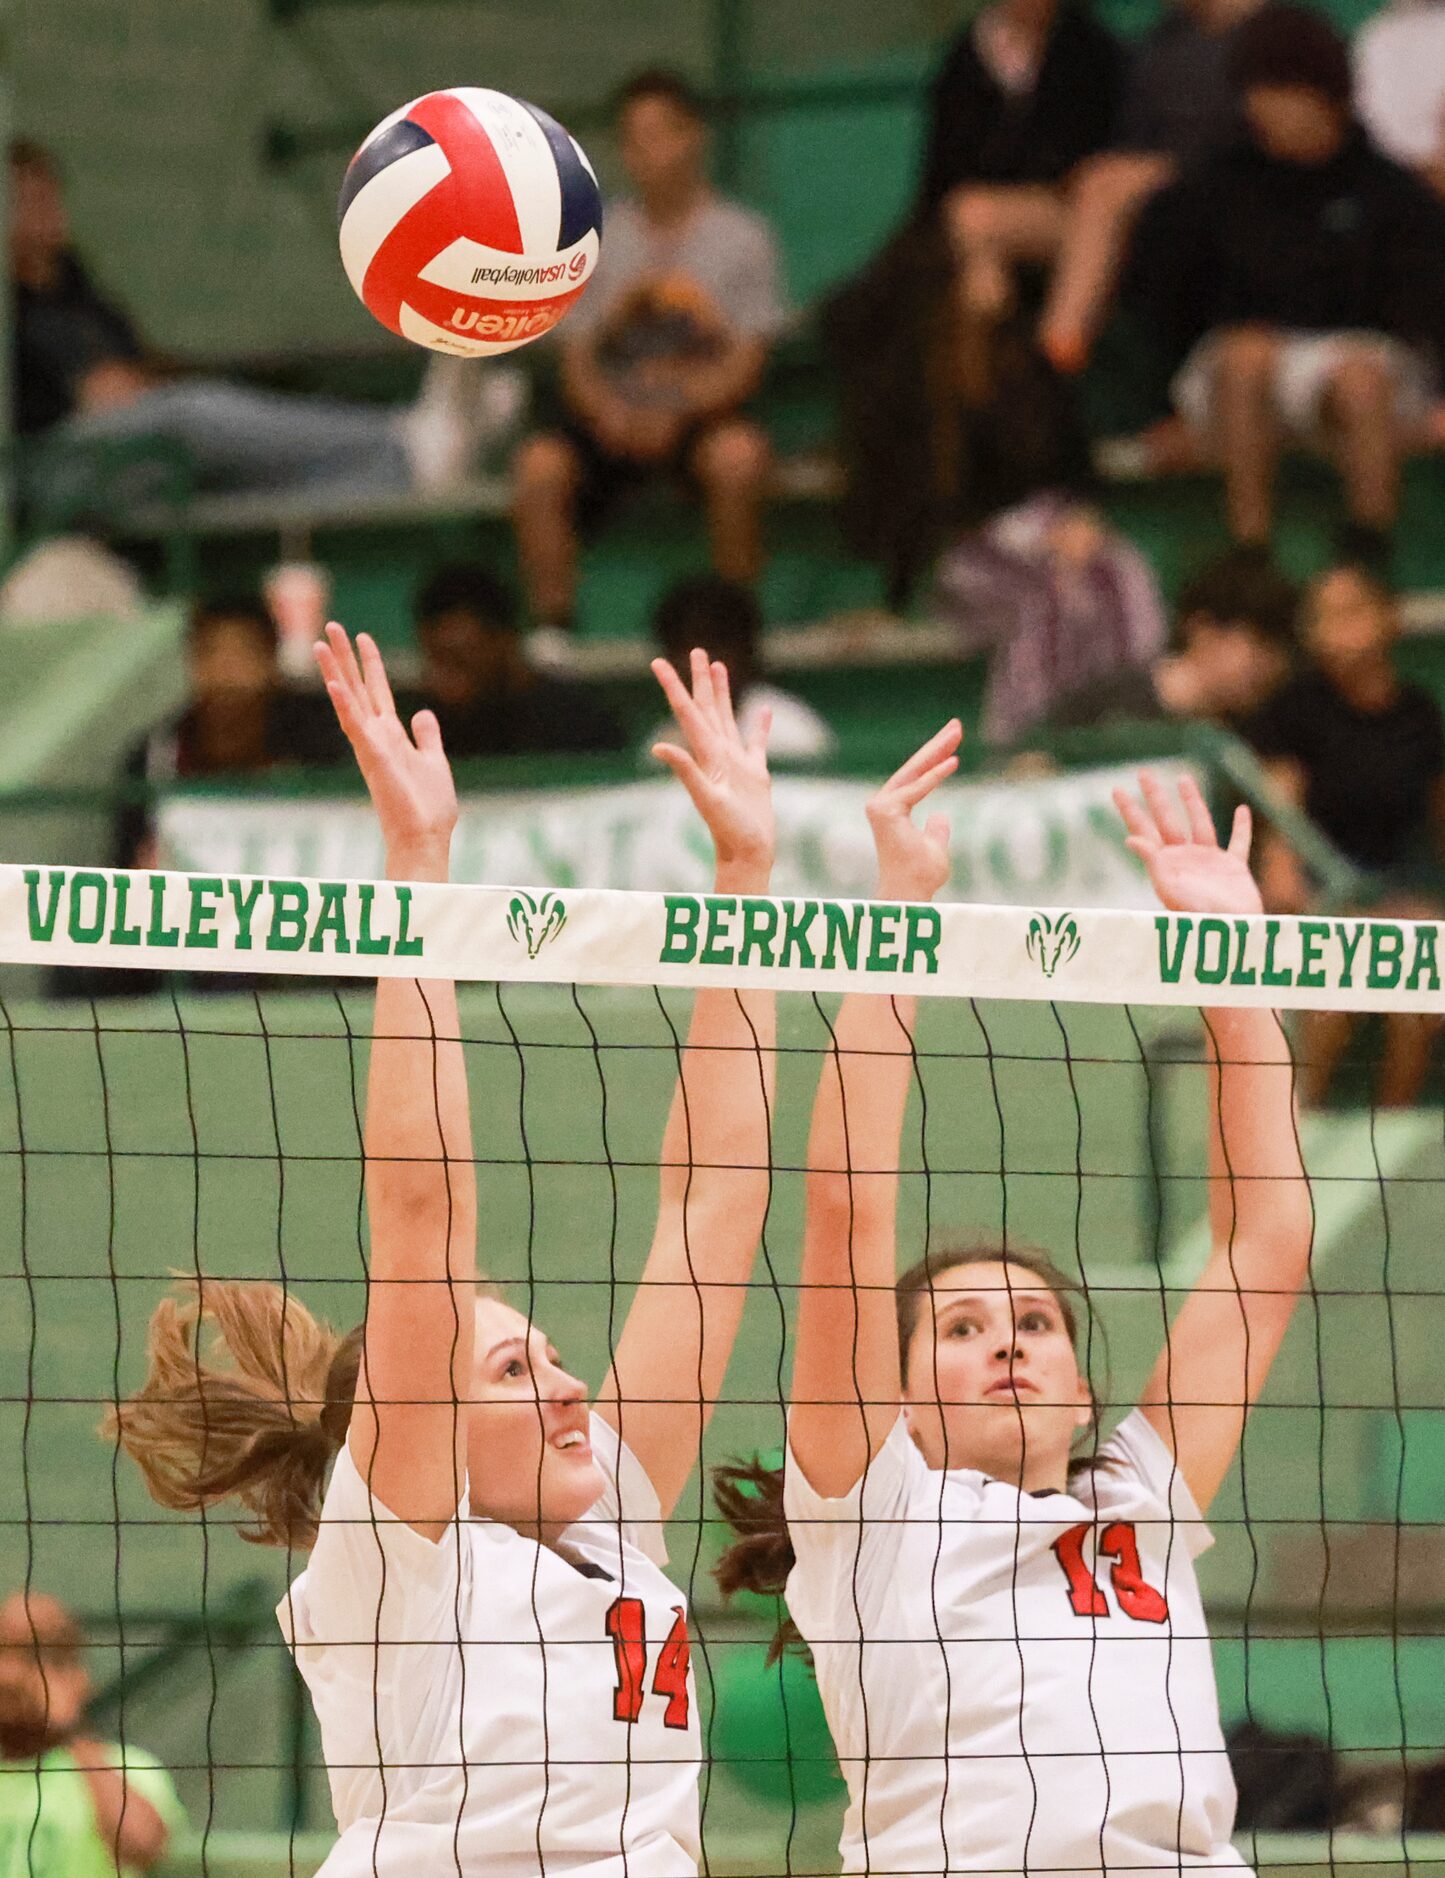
(677,296)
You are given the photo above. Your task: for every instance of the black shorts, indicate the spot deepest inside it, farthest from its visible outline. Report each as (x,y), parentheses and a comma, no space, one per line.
(605,480)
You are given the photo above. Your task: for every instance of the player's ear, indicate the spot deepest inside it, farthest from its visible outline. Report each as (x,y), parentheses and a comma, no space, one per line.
(1086,1414)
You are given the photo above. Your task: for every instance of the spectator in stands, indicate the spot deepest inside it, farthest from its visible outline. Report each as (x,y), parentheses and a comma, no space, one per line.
(71,1805)
(82,376)
(239,719)
(658,361)
(1057,598)
(1303,276)
(1400,83)
(488,699)
(1181,106)
(1362,752)
(1234,648)
(724,616)
(1026,93)
(948,414)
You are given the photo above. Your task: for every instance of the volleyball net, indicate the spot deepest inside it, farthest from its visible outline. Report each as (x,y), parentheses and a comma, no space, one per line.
(212,1124)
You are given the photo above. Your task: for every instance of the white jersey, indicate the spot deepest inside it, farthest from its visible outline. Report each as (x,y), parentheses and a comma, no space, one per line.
(1016,1682)
(488,1705)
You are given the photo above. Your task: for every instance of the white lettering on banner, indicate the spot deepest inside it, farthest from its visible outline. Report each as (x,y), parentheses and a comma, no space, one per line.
(1054,841)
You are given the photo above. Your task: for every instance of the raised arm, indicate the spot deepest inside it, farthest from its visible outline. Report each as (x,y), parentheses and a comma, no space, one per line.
(846,1382)
(408,1432)
(716,1152)
(1220,1347)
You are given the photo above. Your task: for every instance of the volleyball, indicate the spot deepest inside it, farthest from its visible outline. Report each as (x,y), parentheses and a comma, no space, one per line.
(470,222)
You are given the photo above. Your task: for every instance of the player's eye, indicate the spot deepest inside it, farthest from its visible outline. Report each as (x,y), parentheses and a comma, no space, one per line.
(963,1327)
(516,1368)
(1036,1320)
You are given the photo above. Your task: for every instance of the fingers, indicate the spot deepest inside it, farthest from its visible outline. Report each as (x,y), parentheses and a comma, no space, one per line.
(703,695)
(1242,833)
(909,794)
(427,733)
(939,745)
(938,830)
(338,643)
(1143,836)
(344,700)
(722,688)
(378,686)
(689,718)
(1201,822)
(1156,798)
(682,765)
(758,742)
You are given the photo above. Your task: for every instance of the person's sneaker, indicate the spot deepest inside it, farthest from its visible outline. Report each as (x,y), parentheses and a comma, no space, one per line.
(549,649)
(464,407)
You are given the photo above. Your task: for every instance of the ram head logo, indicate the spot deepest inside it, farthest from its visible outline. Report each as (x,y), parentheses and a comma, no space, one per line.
(533,922)
(1052,942)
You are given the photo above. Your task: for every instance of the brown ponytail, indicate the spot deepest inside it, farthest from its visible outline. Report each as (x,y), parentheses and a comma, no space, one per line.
(749,1494)
(262,1428)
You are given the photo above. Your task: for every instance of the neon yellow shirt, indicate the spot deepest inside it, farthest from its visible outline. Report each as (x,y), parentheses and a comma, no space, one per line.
(47,1818)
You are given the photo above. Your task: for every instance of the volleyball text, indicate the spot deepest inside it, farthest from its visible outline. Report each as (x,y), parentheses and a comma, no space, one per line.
(333,916)
(1311,954)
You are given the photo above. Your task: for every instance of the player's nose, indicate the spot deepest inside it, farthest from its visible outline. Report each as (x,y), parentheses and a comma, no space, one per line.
(561,1386)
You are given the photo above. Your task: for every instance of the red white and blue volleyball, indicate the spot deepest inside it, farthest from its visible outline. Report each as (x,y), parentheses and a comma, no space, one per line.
(470,222)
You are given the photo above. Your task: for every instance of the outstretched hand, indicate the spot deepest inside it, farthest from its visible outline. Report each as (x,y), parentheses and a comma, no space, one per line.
(1190,872)
(726,778)
(407,775)
(912,861)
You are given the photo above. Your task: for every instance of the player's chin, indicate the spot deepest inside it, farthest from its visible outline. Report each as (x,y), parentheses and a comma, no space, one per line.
(571,1484)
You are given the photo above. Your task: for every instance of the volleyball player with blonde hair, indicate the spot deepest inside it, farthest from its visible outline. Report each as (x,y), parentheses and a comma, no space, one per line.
(1008,1634)
(498,1663)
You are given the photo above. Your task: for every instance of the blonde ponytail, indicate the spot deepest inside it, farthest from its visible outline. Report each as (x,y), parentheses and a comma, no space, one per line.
(262,1427)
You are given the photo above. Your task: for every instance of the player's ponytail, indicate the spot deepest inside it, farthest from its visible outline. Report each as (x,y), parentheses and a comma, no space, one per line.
(262,1427)
(749,1495)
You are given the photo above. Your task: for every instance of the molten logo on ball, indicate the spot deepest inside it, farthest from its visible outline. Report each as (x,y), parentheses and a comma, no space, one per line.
(470,222)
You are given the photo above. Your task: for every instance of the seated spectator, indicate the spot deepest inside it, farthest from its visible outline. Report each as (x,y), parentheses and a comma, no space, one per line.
(658,360)
(1302,275)
(1234,647)
(1181,106)
(1057,598)
(1400,83)
(948,415)
(1026,93)
(82,375)
(488,700)
(1363,753)
(239,719)
(71,1805)
(725,618)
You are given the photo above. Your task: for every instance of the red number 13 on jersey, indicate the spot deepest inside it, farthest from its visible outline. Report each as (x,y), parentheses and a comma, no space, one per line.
(1120,1543)
(626,1625)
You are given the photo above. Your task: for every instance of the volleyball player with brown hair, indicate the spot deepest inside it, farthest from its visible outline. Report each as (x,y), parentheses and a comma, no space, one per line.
(498,1663)
(1009,1638)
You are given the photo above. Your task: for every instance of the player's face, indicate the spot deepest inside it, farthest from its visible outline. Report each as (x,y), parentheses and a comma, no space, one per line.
(993,1382)
(529,1459)
(662,145)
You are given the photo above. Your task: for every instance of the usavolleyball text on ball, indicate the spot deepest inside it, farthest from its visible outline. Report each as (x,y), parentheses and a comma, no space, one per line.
(470,222)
